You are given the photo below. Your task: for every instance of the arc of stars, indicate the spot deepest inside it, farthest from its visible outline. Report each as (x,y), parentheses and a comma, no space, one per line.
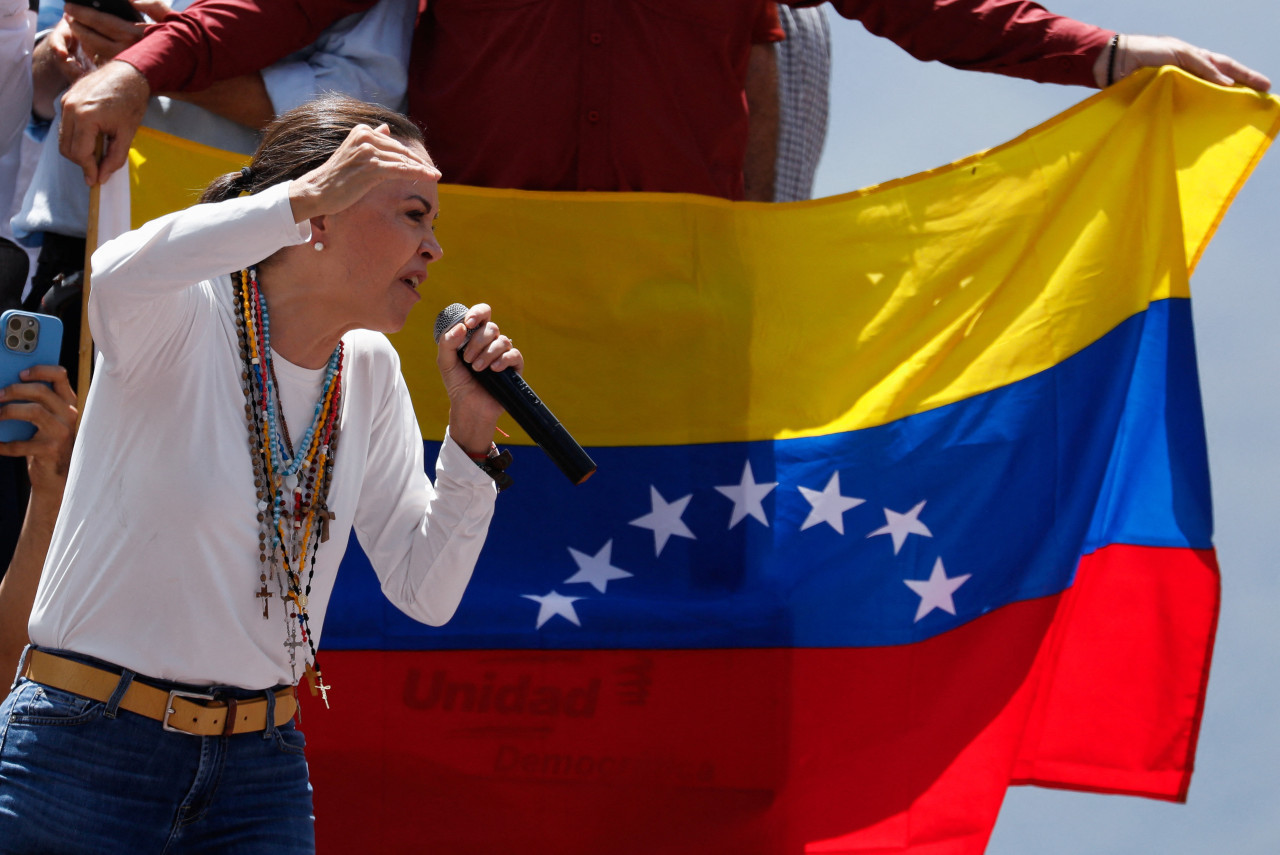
(828,505)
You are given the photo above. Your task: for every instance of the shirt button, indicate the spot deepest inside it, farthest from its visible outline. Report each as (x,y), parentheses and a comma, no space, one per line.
(596,38)
(593,116)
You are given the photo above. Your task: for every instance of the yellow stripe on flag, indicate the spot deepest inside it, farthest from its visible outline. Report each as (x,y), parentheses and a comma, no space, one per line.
(671,318)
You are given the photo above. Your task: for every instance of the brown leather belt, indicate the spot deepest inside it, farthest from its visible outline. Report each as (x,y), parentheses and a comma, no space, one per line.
(180,711)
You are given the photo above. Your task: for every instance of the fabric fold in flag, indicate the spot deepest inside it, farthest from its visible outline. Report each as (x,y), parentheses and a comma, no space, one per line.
(902,498)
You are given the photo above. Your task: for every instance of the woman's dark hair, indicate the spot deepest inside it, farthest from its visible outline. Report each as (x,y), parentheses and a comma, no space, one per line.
(301,139)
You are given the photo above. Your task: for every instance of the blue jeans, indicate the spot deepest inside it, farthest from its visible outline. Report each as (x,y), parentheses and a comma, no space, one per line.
(80,776)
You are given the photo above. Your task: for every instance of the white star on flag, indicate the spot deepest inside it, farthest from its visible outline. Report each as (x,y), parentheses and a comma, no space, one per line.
(900,525)
(935,592)
(664,520)
(552,604)
(598,569)
(747,496)
(828,506)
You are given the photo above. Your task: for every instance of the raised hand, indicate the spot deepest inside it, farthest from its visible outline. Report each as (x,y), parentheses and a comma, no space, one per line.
(366,158)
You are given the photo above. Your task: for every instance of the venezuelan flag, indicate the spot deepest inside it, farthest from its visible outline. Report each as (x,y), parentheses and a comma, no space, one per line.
(902,498)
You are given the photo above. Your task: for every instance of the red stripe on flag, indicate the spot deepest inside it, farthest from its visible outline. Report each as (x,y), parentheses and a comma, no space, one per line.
(1120,710)
(744,751)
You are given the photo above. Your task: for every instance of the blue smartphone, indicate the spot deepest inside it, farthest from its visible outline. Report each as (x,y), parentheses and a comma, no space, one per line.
(26,339)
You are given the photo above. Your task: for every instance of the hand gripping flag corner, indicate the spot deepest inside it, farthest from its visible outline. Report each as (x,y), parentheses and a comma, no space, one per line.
(902,498)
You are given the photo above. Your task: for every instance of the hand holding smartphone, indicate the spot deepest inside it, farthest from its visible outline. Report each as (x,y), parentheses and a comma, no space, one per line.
(26,339)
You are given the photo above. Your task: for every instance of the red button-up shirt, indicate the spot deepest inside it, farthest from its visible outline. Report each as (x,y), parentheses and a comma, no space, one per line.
(601,94)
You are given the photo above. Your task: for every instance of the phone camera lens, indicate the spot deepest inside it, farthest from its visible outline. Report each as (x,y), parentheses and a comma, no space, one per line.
(11,342)
(28,335)
(15,323)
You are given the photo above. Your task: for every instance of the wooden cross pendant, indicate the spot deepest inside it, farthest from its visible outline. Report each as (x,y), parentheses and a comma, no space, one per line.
(325,516)
(264,594)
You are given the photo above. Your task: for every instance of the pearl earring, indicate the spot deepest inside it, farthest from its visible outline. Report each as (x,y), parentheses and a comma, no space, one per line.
(319,246)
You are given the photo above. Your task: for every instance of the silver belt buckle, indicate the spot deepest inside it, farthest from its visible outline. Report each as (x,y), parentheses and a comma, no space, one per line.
(169,710)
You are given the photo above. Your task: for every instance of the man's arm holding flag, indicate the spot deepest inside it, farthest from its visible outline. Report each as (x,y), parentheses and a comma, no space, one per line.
(189,51)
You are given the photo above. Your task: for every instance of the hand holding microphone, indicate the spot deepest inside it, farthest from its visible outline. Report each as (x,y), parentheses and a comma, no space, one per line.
(511,391)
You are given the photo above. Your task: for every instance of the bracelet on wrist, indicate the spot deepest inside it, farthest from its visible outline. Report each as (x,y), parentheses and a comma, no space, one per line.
(1111,60)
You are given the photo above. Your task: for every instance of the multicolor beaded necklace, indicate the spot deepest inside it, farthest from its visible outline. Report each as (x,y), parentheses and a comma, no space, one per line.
(291,528)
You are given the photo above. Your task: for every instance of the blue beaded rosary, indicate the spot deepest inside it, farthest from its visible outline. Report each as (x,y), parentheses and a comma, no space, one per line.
(287,535)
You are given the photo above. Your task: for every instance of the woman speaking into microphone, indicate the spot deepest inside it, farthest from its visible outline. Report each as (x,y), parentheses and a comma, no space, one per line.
(247,412)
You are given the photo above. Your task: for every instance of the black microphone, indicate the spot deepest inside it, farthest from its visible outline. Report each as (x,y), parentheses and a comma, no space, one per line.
(515,396)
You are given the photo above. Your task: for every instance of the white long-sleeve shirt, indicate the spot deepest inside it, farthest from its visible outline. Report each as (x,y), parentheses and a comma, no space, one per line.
(154,562)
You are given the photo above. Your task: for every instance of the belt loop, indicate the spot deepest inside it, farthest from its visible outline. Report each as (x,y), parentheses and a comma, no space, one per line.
(113,702)
(229,723)
(22,666)
(270,730)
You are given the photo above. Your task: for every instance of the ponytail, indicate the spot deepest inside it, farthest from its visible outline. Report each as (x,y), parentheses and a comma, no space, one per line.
(228,186)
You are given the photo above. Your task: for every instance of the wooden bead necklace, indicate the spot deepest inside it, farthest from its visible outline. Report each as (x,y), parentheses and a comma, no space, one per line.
(290,532)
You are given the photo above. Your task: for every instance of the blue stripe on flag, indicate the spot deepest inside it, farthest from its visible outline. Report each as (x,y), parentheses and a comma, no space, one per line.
(961,509)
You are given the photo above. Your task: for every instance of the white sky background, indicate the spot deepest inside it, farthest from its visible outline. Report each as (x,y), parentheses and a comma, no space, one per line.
(893,116)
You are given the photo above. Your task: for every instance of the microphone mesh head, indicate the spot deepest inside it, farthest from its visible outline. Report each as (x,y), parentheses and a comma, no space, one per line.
(449,315)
